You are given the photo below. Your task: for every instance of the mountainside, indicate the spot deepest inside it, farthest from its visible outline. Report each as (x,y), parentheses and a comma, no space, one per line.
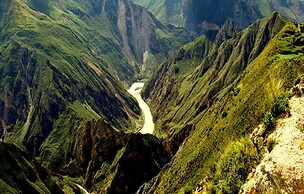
(274,175)
(206,104)
(19,172)
(68,125)
(61,63)
(204,15)
(48,85)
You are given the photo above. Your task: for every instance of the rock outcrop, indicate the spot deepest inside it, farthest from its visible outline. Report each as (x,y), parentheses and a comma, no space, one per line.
(282,169)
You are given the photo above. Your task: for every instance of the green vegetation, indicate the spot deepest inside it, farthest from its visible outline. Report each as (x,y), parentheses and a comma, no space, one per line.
(60,72)
(232,168)
(20,172)
(279,107)
(264,7)
(66,57)
(137,162)
(197,15)
(195,107)
(268,120)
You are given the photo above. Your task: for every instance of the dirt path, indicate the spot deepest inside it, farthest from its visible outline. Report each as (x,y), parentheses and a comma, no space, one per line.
(135,90)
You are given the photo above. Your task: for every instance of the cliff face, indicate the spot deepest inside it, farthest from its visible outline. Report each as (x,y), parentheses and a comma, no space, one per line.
(140,34)
(205,116)
(141,158)
(112,161)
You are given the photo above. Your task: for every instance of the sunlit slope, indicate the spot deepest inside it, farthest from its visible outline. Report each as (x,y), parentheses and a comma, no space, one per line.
(219,103)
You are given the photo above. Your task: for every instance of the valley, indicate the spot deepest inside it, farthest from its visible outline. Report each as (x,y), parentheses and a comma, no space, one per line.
(151,97)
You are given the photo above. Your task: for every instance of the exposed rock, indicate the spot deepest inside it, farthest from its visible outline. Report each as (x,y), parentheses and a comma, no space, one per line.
(282,170)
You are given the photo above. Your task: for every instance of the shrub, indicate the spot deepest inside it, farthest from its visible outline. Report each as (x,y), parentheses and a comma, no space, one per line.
(233,167)
(236,91)
(224,114)
(280,106)
(268,120)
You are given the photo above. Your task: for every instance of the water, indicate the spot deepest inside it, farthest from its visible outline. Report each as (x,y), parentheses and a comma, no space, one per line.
(135,90)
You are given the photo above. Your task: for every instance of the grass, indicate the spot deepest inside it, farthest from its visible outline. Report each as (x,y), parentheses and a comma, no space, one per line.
(261,84)
(232,168)
(49,57)
(84,110)
(19,172)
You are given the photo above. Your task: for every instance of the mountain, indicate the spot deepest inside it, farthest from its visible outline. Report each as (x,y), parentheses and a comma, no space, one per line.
(51,81)
(67,123)
(64,66)
(20,172)
(206,102)
(205,15)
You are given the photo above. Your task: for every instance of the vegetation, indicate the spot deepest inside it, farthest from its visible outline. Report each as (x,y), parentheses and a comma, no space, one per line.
(232,168)
(200,97)
(268,120)
(279,107)
(202,16)
(62,67)
(20,172)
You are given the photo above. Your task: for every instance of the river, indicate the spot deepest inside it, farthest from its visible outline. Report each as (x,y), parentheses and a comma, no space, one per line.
(135,90)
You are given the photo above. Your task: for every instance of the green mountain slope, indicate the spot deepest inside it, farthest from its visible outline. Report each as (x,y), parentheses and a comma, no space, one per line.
(60,66)
(46,79)
(211,110)
(63,68)
(19,172)
(203,15)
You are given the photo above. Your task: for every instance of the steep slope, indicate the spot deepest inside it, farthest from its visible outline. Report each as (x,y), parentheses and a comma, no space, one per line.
(19,172)
(212,109)
(145,41)
(281,170)
(61,99)
(139,159)
(200,16)
(47,80)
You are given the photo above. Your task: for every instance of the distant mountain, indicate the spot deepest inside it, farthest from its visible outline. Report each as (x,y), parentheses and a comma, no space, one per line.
(208,97)
(203,15)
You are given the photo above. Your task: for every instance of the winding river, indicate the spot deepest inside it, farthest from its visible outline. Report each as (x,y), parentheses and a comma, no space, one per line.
(135,90)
